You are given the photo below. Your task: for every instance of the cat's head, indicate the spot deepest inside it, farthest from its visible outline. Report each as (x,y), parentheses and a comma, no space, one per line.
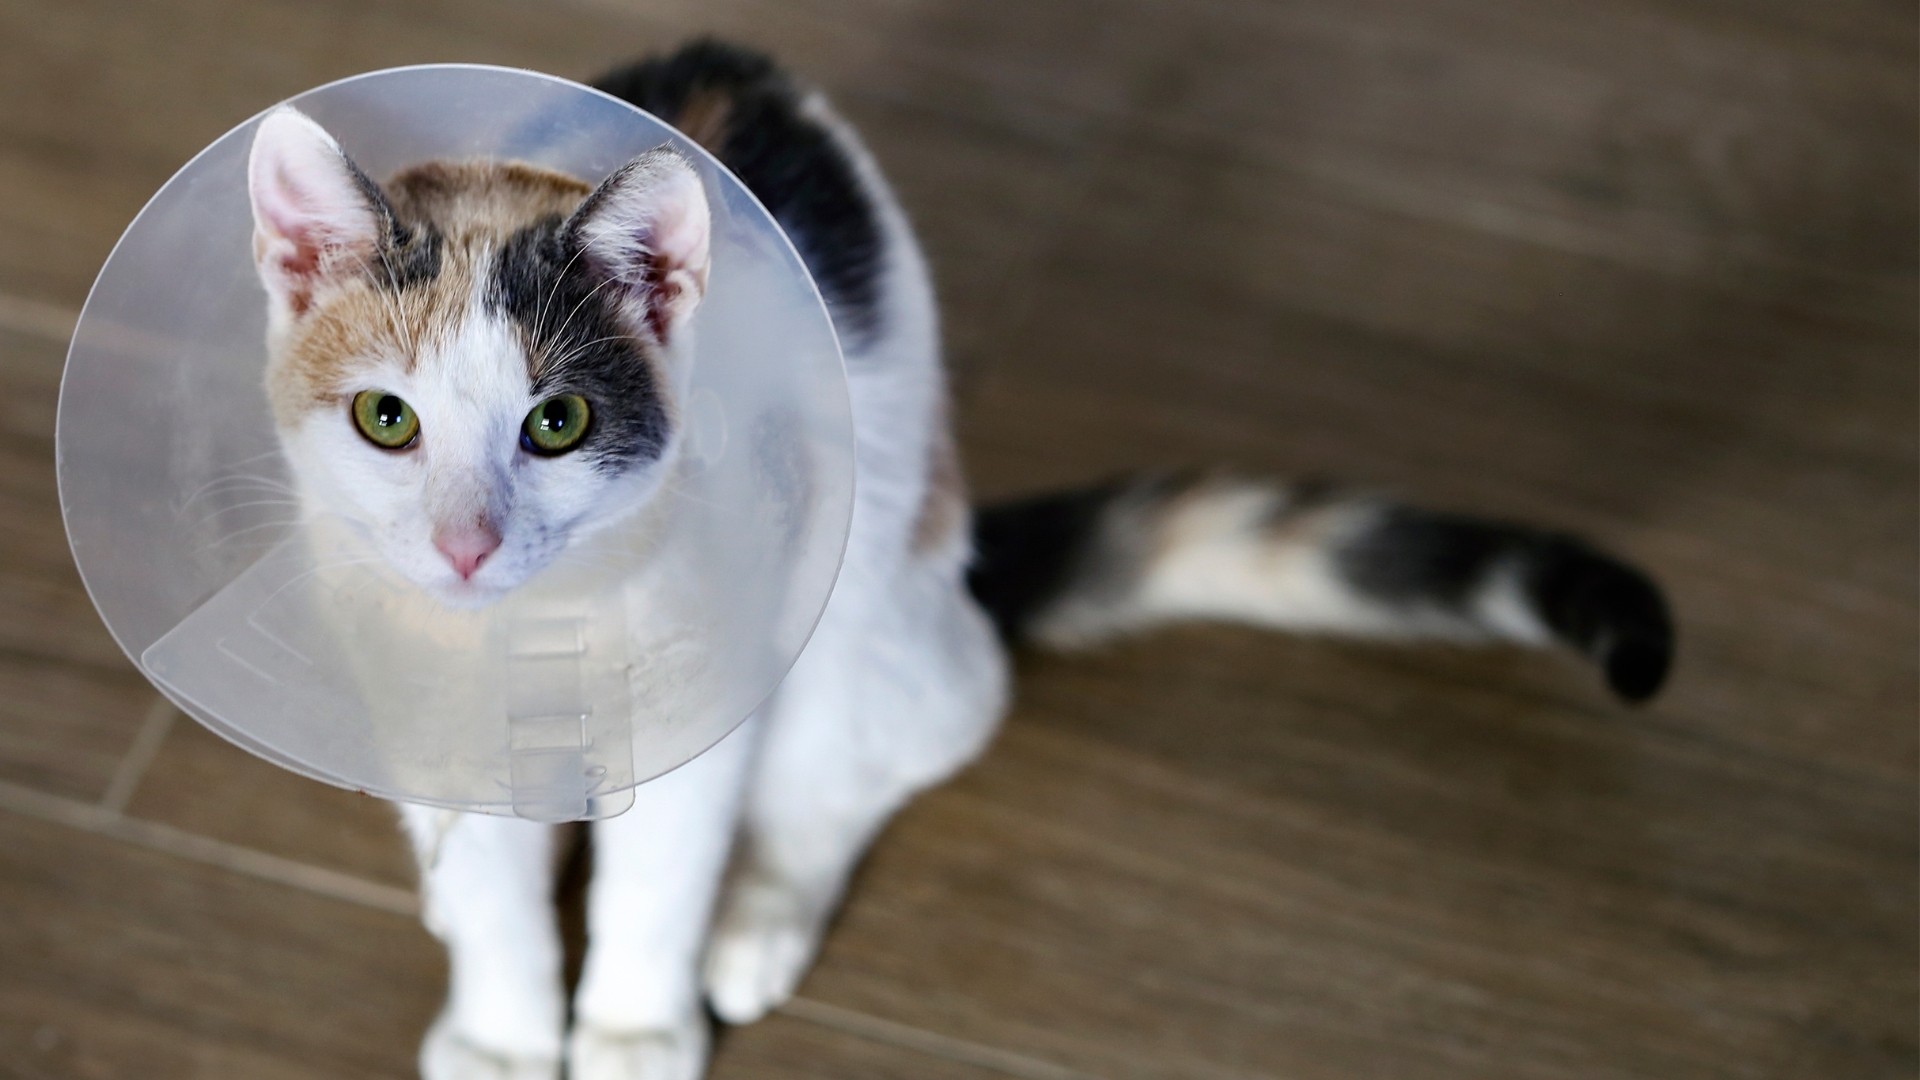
(471,363)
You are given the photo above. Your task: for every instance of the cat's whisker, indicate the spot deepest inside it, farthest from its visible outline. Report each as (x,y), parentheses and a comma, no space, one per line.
(397,315)
(217,511)
(241,480)
(261,456)
(576,308)
(390,300)
(216,483)
(578,350)
(358,560)
(210,504)
(213,498)
(366,264)
(240,484)
(207,510)
(228,538)
(680,492)
(585,345)
(540,317)
(230,507)
(258,525)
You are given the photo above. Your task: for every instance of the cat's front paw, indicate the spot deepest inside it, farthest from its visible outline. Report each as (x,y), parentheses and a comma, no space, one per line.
(677,1053)
(446,1054)
(759,951)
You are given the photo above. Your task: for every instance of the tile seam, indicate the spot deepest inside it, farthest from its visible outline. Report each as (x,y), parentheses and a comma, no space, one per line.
(169,840)
(933,1044)
(134,764)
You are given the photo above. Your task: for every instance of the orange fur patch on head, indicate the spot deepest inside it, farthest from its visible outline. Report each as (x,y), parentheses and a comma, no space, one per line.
(359,324)
(311,366)
(481,200)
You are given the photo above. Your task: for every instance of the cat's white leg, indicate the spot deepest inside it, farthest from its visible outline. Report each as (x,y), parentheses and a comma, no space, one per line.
(869,716)
(486,891)
(656,868)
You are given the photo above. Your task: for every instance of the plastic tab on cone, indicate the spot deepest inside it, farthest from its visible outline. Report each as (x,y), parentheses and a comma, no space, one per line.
(638,648)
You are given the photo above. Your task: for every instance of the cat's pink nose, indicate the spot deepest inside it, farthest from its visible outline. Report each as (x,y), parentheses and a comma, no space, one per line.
(466,547)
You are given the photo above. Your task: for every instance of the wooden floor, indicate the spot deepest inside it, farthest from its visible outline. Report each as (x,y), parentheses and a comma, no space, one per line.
(1643,268)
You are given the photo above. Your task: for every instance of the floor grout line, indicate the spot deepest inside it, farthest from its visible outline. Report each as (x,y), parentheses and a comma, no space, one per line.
(102,819)
(139,757)
(37,318)
(931,1043)
(167,839)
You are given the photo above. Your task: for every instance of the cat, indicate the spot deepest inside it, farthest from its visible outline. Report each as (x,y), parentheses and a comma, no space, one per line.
(426,389)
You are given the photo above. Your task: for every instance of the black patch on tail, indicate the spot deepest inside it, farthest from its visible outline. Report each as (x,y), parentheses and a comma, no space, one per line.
(1412,556)
(1592,602)
(1027,552)
(787,160)
(1606,609)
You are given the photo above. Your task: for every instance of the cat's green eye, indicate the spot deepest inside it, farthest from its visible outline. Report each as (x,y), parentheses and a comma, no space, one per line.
(556,425)
(385,420)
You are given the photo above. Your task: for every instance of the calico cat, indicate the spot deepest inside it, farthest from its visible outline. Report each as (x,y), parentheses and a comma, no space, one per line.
(428,389)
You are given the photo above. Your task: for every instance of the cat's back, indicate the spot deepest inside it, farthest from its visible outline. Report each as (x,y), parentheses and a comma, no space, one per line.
(800,160)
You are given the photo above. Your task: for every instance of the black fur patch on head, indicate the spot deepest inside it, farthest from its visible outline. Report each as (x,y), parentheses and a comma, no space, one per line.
(579,344)
(747,112)
(409,257)
(409,252)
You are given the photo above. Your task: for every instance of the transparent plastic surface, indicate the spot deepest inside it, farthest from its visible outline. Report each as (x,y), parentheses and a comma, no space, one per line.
(635,651)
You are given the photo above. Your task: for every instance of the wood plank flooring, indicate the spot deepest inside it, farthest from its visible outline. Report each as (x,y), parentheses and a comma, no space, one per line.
(1642,268)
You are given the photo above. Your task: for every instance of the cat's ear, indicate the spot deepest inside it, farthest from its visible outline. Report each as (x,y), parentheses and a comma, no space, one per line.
(315,215)
(646,229)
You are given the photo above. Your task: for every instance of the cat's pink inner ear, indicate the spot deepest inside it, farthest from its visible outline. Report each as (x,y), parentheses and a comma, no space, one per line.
(649,229)
(311,217)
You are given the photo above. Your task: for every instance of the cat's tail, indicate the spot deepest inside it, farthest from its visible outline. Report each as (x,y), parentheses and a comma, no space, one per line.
(1080,566)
